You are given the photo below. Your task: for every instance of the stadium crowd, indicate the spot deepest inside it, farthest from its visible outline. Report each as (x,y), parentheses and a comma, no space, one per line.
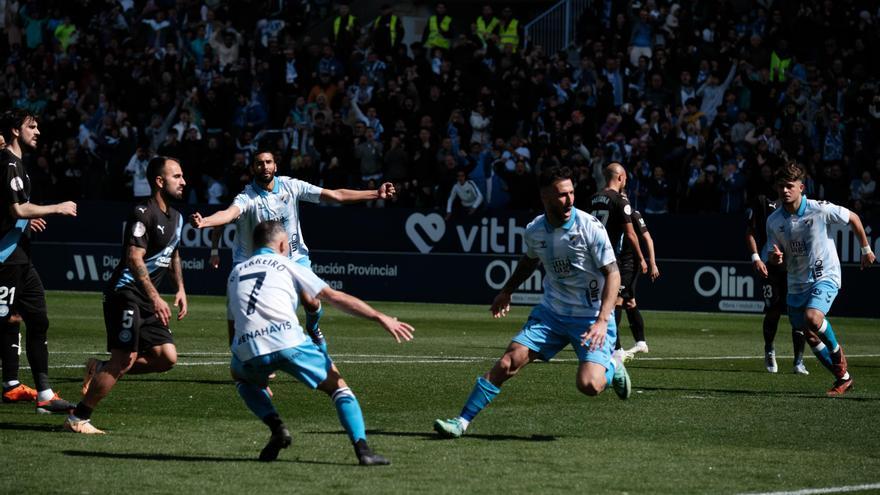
(701,101)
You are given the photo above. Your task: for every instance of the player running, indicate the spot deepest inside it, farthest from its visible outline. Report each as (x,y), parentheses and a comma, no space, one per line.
(135,315)
(798,234)
(580,286)
(774,285)
(264,292)
(21,290)
(271,197)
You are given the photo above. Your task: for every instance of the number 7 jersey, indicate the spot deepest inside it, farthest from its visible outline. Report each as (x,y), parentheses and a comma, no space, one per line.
(263,297)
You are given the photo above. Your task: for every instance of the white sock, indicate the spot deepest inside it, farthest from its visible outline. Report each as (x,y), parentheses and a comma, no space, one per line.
(44,395)
(463,422)
(11,383)
(845,376)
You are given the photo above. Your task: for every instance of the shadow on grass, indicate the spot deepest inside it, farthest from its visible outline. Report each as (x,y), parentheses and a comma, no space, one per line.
(186,458)
(433,436)
(631,366)
(29,427)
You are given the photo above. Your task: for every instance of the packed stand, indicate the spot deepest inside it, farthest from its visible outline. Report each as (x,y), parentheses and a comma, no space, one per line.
(700,101)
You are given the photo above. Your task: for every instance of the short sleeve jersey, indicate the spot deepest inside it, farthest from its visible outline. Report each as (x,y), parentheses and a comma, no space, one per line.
(282,204)
(627,255)
(756,220)
(158,233)
(614,211)
(263,297)
(573,256)
(14,244)
(808,249)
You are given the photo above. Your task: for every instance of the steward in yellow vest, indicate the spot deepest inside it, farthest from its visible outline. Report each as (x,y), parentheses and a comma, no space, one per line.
(438,31)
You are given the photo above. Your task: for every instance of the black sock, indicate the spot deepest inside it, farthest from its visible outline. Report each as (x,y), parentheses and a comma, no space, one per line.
(273,421)
(798,340)
(771,321)
(37,348)
(636,323)
(82,411)
(11,342)
(618,315)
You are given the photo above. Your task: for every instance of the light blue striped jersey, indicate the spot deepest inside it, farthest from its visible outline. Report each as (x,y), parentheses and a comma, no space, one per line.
(808,249)
(282,204)
(573,256)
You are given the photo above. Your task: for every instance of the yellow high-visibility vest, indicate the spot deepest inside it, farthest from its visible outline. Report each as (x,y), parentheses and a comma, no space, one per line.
(510,34)
(435,38)
(392,27)
(483,30)
(337,23)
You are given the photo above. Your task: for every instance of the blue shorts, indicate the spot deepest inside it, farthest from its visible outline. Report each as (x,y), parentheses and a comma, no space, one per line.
(820,297)
(547,333)
(306,362)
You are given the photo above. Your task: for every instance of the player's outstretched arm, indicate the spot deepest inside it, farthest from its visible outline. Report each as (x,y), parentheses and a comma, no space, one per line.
(222,217)
(135,260)
(399,330)
(868,257)
(594,337)
(30,210)
(385,191)
(524,268)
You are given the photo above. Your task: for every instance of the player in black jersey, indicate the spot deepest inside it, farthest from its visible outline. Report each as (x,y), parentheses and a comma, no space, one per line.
(612,208)
(774,285)
(629,275)
(21,290)
(135,315)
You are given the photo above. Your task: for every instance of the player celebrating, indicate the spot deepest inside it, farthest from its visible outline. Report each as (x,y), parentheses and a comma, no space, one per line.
(580,287)
(277,198)
(135,315)
(799,236)
(264,292)
(774,285)
(21,290)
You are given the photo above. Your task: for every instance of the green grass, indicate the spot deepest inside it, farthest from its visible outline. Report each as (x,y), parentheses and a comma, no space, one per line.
(694,425)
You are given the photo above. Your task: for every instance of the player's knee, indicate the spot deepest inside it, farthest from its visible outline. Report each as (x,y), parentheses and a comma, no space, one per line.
(591,386)
(38,325)
(118,366)
(812,339)
(813,319)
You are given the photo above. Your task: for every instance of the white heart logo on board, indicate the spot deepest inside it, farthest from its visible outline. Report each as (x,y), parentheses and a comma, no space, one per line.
(432,225)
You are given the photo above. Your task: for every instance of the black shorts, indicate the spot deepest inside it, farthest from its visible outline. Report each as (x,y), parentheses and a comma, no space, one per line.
(21,291)
(629,275)
(775,290)
(131,327)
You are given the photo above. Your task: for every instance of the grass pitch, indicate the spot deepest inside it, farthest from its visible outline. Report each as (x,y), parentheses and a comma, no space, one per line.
(705,416)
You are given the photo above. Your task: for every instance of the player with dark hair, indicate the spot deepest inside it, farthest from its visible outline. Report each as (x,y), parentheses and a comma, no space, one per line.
(271,197)
(135,315)
(612,208)
(580,286)
(264,292)
(21,290)
(799,235)
(774,285)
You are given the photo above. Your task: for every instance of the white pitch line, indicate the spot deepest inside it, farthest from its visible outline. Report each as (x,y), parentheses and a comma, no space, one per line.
(814,491)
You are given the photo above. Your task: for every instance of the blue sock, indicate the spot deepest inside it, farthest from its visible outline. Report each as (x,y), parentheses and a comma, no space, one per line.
(823,355)
(609,373)
(826,333)
(257,399)
(482,394)
(350,414)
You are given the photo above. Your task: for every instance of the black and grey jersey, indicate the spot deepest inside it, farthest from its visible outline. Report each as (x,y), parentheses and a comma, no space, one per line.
(159,234)
(614,211)
(756,219)
(627,253)
(14,243)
